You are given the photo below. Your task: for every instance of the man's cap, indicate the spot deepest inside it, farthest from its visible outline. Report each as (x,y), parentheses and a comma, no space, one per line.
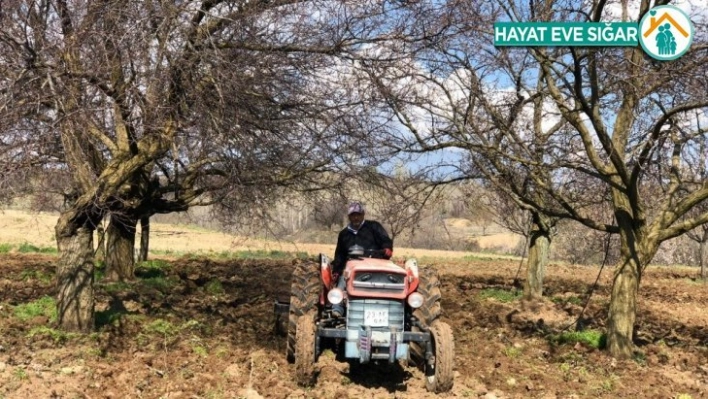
(355,207)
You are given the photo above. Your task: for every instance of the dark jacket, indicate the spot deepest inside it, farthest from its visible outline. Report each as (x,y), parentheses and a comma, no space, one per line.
(371,235)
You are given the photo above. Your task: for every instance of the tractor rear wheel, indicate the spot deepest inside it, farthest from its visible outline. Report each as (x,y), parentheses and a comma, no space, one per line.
(439,373)
(429,287)
(304,297)
(305,356)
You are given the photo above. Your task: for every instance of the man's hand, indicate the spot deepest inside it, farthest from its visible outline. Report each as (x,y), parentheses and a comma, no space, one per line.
(388,253)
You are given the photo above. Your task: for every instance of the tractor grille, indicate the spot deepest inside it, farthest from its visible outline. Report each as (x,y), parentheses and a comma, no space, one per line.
(380,282)
(359,309)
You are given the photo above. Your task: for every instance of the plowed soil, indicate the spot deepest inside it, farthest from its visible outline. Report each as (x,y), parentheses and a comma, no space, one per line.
(205,329)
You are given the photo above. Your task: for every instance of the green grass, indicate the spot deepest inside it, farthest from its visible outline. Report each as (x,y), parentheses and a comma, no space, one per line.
(56,335)
(5,248)
(592,338)
(214,287)
(152,268)
(571,299)
(29,248)
(161,327)
(28,275)
(512,352)
(167,329)
(99,271)
(116,287)
(44,306)
(108,316)
(260,254)
(162,284)
(499,294)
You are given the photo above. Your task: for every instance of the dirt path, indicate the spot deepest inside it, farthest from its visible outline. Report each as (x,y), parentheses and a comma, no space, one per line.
(204,329)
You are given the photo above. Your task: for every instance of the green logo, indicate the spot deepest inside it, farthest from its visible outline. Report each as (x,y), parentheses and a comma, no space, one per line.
(666,33)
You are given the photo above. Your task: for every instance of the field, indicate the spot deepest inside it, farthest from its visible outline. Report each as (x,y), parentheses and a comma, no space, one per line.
(19,227)
(193,327)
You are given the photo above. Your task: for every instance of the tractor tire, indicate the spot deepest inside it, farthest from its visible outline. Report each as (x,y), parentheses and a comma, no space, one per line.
(304,297)
(439,374)
(429,287)
(305,356)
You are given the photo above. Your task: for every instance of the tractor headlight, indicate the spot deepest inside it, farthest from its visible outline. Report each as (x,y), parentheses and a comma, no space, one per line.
(335,296)
(415,300)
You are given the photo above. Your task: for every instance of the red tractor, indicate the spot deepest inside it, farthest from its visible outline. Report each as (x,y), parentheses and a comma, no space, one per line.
(392,314)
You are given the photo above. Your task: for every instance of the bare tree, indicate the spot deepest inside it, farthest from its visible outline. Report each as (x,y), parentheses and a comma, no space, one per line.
(700,233)
(590,146)
(153,107)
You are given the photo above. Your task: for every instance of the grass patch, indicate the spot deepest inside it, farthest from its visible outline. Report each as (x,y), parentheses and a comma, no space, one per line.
(20,374)
(214,287)
(117,286)
(200,351)
(5,248)
(56,335)
(44,306)
(575,300)
(152,268)
(592,338)
(29,275)
(499,294)
(99,270)
(26,247)
(261,254)
(167,329)
(162,284)
(512,352)
(107,317)
(161,327)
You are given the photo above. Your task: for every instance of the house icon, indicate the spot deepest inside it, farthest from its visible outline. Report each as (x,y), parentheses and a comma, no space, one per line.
(654,23)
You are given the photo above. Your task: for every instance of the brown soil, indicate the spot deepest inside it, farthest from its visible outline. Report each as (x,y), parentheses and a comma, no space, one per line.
(184,335)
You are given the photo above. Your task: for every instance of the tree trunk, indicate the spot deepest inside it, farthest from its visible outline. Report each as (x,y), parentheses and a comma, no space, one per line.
(702,258)
(101,246)
(144,238)
(637,249)
(623,309)
(538,259)
(120,257)
(75,302)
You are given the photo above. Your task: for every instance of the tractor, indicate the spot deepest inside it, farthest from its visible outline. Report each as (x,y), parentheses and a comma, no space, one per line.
(391,315)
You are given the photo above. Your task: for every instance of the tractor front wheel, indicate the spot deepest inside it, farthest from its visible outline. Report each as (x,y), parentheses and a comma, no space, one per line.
(439,373)
(304,297)
(305,356)
(431,310)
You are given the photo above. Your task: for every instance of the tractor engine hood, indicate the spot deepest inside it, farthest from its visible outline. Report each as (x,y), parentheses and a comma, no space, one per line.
(377,278)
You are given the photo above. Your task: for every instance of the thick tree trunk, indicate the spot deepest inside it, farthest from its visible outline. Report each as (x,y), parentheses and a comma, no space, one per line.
(144,239)
(75,301)
(637,249)
(623,309)
(538,259)
(120,257)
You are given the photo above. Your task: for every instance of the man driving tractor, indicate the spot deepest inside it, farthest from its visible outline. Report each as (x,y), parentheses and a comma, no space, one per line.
(367,234)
